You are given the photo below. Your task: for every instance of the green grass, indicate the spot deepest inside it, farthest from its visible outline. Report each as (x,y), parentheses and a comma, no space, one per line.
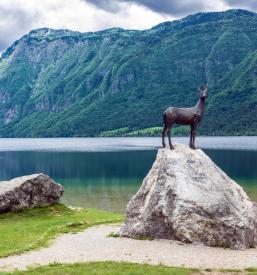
(252,270)
(102,268)
(113,235)
(143,238)
(120,268)
(34,228)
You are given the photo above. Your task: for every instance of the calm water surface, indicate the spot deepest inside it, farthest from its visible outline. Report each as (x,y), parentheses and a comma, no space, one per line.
(106,172)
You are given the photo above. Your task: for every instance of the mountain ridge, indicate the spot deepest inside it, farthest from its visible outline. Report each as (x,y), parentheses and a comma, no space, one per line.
(155,27)
(67,83)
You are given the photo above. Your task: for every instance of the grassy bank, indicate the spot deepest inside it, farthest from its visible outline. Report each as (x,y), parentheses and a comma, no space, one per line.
(102,268)
(123,268)
(34,228)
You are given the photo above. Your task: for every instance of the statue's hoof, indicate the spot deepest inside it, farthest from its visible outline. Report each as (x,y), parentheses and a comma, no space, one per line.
(163,146)
(193,147)
(171,148)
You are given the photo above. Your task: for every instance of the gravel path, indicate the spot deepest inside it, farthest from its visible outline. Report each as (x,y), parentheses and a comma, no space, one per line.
(93,245)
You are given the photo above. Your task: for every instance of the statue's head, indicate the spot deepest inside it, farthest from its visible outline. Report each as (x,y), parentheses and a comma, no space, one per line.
(203,91)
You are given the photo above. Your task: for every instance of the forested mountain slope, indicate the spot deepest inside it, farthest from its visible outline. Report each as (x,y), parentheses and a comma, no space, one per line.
(65,83)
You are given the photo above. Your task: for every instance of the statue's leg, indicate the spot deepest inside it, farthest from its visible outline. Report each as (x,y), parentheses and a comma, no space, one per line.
(193,137)
(163,135)
(169,136)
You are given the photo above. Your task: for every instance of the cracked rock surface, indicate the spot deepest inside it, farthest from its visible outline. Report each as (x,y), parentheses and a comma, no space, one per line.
(186,197)
(29,191)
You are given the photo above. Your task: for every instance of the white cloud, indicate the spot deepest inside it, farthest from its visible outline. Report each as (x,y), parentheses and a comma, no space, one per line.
(18,17)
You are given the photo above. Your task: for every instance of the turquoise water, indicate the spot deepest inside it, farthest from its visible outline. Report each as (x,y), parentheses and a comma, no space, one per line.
(106,173)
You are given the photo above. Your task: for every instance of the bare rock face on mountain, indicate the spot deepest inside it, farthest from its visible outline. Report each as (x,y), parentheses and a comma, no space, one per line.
(186,197)
(29,191)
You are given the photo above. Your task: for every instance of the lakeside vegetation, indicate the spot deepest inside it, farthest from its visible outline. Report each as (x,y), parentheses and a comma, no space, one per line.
(177,131)
(146,132)
(45,223)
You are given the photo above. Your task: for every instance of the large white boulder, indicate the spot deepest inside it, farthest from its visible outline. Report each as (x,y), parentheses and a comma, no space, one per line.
(29,191)
(186,197)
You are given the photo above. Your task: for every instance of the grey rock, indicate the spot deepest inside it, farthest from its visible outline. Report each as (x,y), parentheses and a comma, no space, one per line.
(186,197)
(29,191)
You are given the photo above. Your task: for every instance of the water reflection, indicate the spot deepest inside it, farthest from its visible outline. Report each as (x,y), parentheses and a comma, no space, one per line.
(107,180)
(76,164)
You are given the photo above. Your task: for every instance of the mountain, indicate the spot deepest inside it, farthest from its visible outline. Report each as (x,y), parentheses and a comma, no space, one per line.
(66,83)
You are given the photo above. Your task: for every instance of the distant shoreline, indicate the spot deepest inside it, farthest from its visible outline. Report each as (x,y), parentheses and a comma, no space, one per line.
(102,144)
(181,131)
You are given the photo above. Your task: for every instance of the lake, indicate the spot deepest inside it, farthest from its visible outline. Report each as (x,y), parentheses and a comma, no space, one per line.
(106,172)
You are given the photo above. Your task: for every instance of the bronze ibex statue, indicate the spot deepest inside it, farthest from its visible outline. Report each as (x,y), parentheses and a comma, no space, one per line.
(184,116)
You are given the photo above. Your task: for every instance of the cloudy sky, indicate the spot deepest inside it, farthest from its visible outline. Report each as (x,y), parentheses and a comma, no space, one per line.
(17,17)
